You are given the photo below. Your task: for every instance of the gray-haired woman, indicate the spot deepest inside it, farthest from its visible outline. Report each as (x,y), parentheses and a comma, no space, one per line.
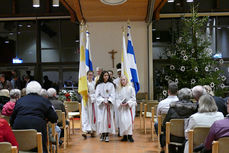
(8,108)
(207,114)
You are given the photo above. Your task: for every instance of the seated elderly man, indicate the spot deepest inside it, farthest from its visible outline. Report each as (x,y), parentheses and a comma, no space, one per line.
(58,105)
(181,109)
(8,108)
(33,111)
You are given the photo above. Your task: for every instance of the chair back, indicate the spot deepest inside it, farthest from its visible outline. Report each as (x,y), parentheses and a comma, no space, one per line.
(28,139)
(177,127)
(141,96)
(223,145)
(72,106)
(199,135)
(150,104)
(59,114)
(5,147)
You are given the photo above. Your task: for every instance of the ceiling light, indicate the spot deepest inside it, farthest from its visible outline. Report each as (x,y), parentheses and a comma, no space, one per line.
(28,25)
(55,3)
(113,2)
(11,33)
(189,1)
(7,42)
(170,1)
(77,41)
(158,38)
(154,29)
(36,3)
(20,25)
(219,28)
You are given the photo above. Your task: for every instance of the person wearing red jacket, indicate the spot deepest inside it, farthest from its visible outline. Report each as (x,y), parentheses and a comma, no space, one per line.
(6,134)
(8,108)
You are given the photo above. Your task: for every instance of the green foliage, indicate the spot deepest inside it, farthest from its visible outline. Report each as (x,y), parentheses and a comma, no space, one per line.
(190,57)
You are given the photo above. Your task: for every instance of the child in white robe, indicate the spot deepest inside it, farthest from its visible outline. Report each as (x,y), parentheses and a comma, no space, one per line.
(89,111)
(105,98)
(126,103)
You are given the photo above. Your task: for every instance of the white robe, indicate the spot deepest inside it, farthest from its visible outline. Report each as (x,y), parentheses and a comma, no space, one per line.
(126,113)
(89,113)
(105,92)
(117,83)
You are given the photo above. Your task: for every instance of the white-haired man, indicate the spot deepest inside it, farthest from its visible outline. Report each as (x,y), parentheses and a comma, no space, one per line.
(33,111)
(58,105)
(198,91)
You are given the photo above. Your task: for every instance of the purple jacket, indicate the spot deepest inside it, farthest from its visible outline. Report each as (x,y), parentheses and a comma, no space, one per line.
(218,130)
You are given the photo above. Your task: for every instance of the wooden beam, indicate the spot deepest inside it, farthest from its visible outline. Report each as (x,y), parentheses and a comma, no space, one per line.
(48,2)
(70,10)
(158,9)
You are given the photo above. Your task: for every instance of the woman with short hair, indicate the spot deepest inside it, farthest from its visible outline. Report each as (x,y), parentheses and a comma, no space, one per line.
(33,112)
(207,114)
(8,108)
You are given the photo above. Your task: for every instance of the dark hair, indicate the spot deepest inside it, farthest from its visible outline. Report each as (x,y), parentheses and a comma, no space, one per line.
(89,72)
(101,79)
(173,88)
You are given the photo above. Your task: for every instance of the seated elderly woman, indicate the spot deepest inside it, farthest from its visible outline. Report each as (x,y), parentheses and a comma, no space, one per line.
(4,97)
(181,109)
(207,114)
(33,111)
(8,108)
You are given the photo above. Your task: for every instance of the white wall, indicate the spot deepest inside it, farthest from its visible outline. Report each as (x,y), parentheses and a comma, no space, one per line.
(106,36)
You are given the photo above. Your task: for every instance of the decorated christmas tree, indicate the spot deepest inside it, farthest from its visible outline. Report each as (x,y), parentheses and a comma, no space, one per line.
(190,58)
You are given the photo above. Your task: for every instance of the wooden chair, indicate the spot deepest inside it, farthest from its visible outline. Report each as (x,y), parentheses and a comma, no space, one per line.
(221,146)
(74,110)
(148,104)
(54,135)
(160,119)
(62,119)
(28,140)
(6,147)
(176,128)
(152,123)
(197,136)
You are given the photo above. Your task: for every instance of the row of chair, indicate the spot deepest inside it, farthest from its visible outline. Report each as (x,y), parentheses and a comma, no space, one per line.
(23,137)
(176,128)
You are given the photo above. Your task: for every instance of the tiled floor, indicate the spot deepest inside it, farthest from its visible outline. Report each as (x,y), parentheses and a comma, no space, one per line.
(142,144)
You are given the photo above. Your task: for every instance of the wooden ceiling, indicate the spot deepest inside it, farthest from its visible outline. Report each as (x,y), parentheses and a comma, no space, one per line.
(96,11)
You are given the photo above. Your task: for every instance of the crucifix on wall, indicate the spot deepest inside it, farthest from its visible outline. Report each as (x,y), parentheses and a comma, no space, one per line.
(113,52)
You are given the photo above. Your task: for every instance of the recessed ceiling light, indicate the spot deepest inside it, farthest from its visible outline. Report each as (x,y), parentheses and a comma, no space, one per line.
(189,1)
(154,29)
(113,2)
(158,38)
(219,28)
(170,1)
(7,42)
(36,3)
(28,25)
(77,41)
(55,3)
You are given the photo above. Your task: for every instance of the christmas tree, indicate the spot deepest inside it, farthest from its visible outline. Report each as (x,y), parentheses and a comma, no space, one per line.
(191,59)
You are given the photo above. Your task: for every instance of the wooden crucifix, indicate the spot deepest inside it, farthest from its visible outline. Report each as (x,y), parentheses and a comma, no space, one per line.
(113,52)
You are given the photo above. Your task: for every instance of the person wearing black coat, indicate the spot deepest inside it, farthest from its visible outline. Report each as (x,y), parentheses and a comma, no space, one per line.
(181,109)
(33,112)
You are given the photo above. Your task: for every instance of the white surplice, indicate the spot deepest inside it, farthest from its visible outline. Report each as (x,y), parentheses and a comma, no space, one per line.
(126,113)
(105,92)
(117,83)
(89,112)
